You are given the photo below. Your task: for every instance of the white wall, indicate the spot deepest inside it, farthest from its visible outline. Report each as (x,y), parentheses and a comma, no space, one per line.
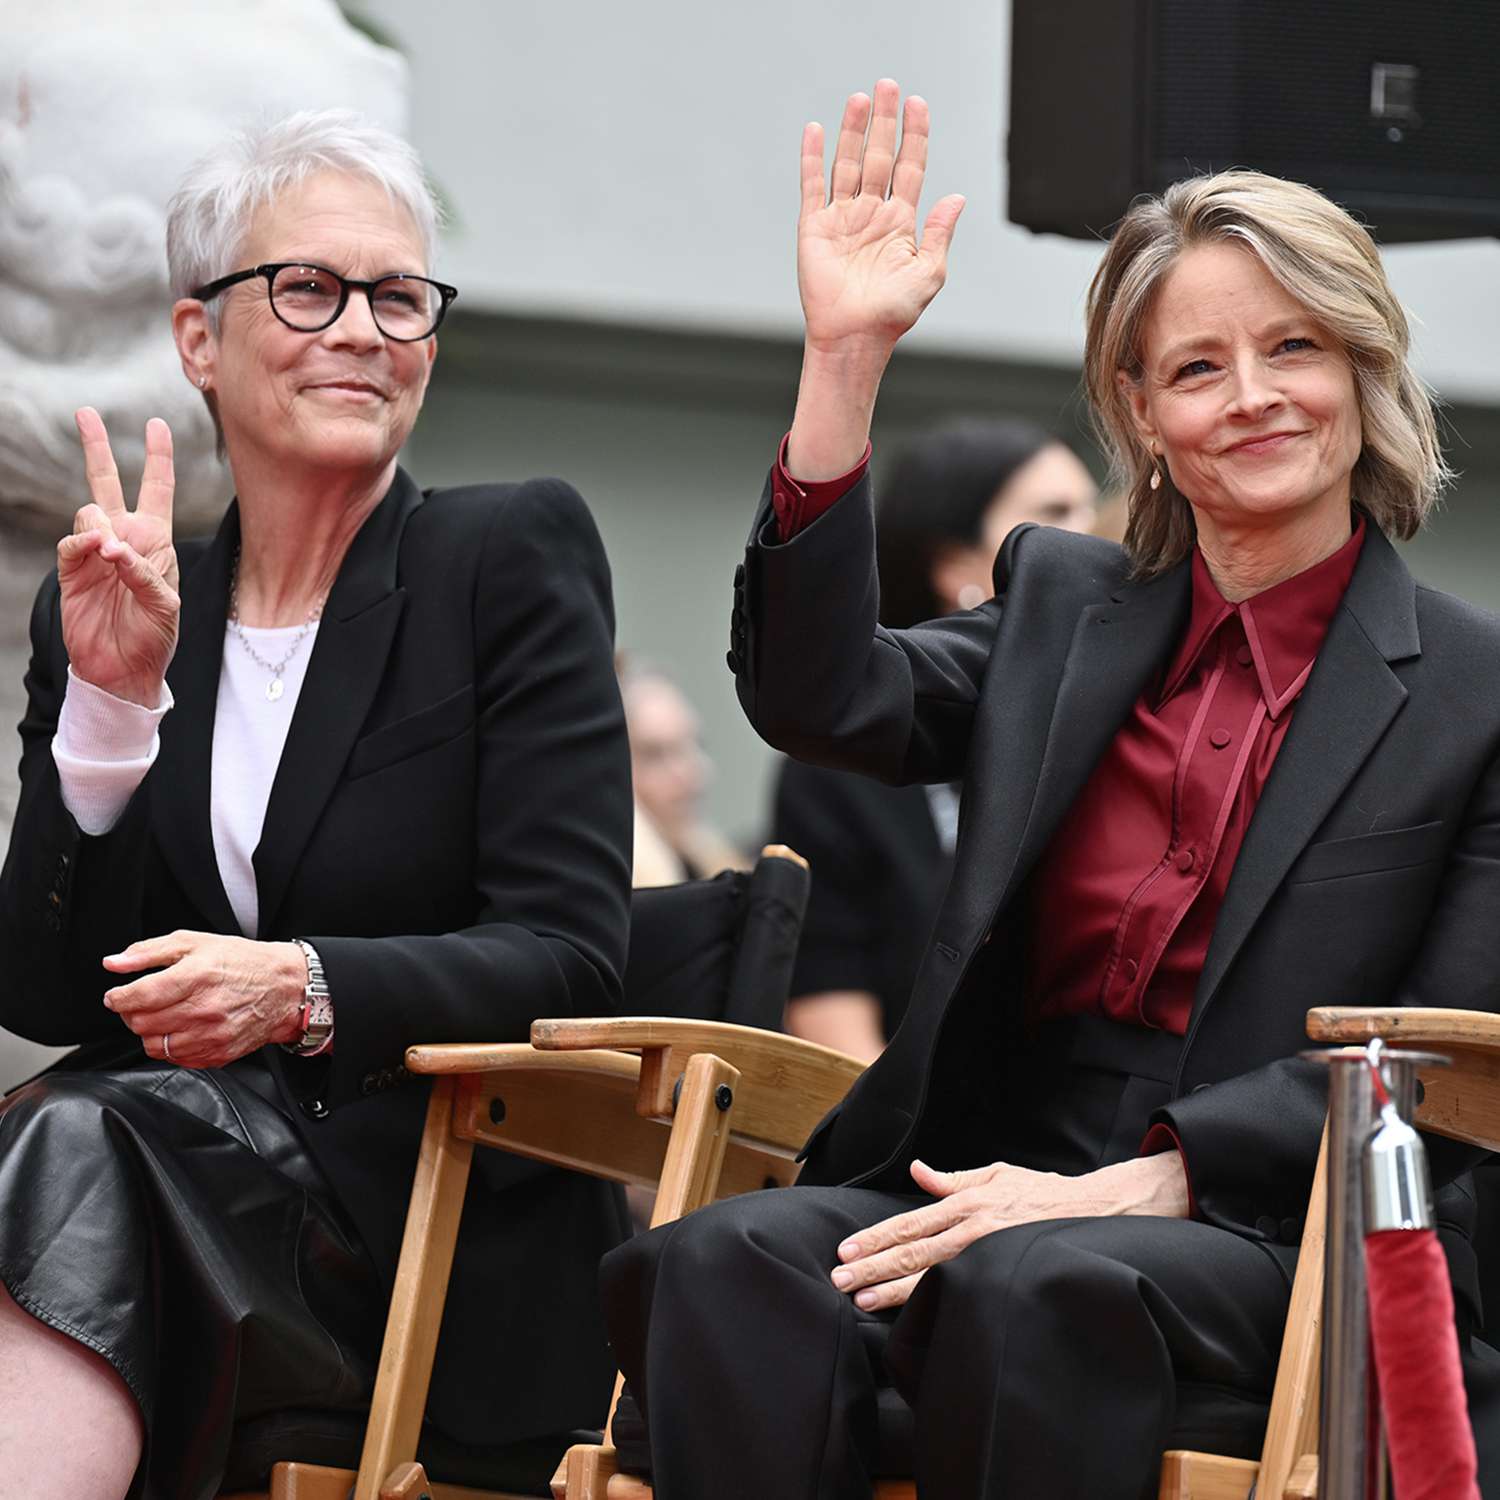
(639,161)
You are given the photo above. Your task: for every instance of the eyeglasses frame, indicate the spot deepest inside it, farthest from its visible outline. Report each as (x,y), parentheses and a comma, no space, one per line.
(268,270)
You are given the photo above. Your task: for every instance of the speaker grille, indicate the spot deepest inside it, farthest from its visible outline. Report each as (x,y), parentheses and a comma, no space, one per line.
(1285,86)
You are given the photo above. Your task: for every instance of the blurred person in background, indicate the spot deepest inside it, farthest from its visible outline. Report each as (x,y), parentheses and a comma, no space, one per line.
(881,855)
(377,794)
(670,772)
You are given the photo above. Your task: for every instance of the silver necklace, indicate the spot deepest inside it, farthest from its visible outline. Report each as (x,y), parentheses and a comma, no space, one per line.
(275,687)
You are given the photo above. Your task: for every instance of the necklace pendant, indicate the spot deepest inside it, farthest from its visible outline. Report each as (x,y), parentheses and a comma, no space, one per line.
(275,688)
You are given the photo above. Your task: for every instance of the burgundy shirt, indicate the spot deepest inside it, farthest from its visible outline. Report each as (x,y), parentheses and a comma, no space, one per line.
(1125,898)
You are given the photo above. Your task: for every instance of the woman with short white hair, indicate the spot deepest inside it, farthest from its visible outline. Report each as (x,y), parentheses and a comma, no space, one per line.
(377,794)
(1235,769)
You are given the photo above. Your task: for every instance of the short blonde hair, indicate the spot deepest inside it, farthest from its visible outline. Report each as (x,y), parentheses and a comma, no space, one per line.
(1328,262)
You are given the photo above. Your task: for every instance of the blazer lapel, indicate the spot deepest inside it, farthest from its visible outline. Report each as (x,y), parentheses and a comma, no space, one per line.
(1116,647)
(1348,703)
(348,661)
(181,783)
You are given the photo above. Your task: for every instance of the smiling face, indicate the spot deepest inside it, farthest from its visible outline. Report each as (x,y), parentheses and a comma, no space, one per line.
(345,398)
(1249,404)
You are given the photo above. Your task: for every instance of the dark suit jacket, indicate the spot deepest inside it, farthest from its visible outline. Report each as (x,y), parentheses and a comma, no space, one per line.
(878,876)
(1370,872)
(449,826)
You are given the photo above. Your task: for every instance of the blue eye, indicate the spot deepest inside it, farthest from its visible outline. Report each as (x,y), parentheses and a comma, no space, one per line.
(1296,344)
(1194,367)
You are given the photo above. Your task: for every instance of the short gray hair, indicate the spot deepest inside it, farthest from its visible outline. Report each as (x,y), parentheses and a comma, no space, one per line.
(1326,260)
(209,215)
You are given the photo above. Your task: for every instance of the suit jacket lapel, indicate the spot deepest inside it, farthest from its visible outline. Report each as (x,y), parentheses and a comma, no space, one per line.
(1116,647)
(347,663)
(181,783)
(1348,703)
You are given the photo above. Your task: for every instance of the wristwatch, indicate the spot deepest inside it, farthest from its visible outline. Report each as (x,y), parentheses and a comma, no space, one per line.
(317,1008)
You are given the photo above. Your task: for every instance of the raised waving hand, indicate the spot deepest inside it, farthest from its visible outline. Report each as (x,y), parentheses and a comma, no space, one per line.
(118,570)
(863,272)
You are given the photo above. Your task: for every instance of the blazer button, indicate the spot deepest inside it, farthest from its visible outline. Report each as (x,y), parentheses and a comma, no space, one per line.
(1198,1088)
(369,1084)
(1291,1230)
(732,661)
(315,1109)
(1267,1226)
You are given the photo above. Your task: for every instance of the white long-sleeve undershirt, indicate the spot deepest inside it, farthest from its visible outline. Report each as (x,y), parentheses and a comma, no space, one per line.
(104,747)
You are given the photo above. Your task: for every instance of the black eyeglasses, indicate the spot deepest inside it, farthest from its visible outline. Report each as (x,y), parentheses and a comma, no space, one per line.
(310,298)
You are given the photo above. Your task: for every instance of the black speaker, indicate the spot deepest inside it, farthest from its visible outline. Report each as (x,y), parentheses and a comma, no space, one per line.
(1390,107)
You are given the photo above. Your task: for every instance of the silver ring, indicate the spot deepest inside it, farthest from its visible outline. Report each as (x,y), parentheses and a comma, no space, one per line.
(166,1045)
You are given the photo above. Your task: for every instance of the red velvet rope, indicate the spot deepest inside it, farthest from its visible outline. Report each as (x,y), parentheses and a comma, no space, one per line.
(1416,1362)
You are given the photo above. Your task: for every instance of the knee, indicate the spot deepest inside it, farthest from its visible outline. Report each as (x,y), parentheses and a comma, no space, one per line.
(63,1110)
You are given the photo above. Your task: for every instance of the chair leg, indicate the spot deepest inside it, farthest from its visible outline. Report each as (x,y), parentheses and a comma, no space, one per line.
(1292,1427)
(411,1329)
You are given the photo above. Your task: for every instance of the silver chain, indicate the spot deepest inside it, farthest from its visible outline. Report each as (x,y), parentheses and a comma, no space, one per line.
(275,687)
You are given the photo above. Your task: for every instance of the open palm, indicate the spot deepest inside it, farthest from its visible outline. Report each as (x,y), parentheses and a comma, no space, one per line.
(862,271)
(118,571)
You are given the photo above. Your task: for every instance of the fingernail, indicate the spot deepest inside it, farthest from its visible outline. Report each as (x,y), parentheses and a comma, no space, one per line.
(109,1000)
(865,1299)
(842,1279)
(849,1250)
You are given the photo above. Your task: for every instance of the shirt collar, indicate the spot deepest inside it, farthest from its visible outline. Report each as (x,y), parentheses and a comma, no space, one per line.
(1284,625)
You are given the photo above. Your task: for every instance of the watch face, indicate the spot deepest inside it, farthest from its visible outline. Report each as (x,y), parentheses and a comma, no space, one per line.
(320,1011)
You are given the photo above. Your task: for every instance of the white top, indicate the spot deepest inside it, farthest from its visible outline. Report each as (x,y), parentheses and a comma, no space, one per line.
(104,747)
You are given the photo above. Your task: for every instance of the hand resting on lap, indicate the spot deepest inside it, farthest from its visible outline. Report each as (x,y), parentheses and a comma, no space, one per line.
(882,1264)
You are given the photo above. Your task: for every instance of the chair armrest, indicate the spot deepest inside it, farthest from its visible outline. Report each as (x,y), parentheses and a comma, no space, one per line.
(1461,1101)
(1405,1025)
(787,1084)
(492,1057)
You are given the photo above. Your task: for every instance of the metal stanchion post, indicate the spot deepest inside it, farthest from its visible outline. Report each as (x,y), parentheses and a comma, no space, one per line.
(1351,1459)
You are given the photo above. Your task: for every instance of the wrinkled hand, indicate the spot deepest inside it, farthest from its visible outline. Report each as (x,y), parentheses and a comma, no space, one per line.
(118,570)
(882,1265)
(862,272)
(218,997)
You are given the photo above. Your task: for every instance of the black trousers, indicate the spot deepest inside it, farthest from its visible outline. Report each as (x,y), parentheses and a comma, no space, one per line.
(1056,1358)
(1044,1360)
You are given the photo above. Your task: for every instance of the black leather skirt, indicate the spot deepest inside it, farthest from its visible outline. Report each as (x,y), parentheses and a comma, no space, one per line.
(172,1221)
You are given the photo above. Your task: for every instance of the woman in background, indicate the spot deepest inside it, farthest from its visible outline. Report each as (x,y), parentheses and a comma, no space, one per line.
(881,855)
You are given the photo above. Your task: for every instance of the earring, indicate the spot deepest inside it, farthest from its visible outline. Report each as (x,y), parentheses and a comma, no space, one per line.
(1155,477)
(203,382)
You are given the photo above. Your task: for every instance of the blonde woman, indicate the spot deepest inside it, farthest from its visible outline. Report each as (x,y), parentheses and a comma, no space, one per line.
(1230,770)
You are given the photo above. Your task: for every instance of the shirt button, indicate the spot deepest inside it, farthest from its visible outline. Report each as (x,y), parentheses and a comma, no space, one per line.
(1243,656)
(1184,860)
(1219,738)
(1132,968)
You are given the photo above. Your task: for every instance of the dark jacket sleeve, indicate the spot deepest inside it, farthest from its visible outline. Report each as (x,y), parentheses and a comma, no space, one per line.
(65,897)
(817,675)
(553,818)
(1251,1142)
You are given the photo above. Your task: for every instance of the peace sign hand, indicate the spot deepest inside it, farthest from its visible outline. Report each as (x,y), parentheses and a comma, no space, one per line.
(864,276)
(118,571)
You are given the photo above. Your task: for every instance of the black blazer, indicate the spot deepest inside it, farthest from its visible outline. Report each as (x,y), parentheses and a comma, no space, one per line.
(878,876)
(449,826)
(1370,872)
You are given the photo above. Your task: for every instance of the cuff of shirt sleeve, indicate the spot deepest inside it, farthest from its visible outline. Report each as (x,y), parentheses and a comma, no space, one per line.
(798,504)
(1163,1138)
(103,747)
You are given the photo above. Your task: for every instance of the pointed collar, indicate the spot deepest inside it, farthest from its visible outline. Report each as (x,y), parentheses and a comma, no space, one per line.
(1284,625)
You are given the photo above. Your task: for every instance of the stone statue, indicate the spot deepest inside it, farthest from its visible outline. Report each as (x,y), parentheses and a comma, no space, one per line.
(103,105)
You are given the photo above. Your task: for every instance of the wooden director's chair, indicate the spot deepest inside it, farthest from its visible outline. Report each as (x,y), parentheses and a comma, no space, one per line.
(707,1110)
